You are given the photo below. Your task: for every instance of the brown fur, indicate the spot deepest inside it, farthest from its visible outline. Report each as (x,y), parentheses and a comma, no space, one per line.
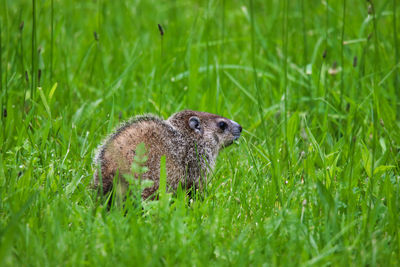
(190,152)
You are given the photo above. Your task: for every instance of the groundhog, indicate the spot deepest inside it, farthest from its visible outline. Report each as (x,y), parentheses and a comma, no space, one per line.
(190,140)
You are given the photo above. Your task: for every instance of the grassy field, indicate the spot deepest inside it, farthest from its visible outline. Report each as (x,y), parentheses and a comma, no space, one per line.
(315,179)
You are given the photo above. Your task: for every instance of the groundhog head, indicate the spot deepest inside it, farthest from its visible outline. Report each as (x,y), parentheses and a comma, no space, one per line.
(218,132)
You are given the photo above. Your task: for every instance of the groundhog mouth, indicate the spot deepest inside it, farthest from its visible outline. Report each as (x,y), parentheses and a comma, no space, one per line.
(230,142)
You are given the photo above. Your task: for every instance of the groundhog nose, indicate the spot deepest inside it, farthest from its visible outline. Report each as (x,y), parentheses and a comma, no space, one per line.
(236,131)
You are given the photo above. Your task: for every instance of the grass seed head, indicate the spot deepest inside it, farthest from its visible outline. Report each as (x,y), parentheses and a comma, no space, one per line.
(39,76)
(160,28)
(333,70)
(355,61)
(370,10)
(26,77)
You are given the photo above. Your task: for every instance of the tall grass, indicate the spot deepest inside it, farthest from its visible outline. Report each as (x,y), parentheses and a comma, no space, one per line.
(33,50)
(160,67)
(342,53)
(315,179)
(51,40)
(396,45)
(1,68)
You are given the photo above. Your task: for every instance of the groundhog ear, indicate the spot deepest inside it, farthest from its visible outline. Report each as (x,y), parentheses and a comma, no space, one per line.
(194,123)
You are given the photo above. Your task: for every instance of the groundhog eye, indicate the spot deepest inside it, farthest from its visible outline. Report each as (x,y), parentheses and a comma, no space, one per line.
(222,125)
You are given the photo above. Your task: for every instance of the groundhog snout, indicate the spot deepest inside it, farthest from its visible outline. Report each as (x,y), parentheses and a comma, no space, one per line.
(236,130)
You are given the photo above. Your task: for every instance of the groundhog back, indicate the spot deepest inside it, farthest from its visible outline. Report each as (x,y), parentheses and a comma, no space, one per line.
(121,150)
